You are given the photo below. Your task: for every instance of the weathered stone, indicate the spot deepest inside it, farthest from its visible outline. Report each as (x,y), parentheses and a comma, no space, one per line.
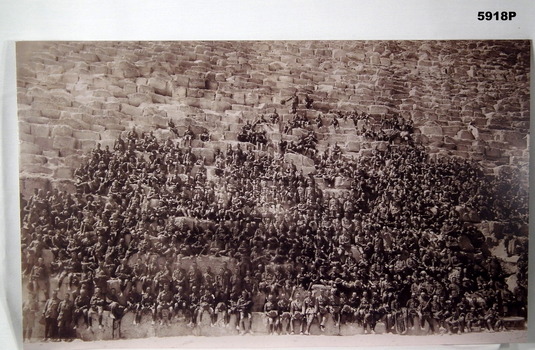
(197,83)
(124,69)
(353,146)
(86,135)
(51,113)
(63,173)
(62,142)
(159,85)
(465,135)
(40,130)
(61,130)
(26,137)
(378,109)
(431,130)
(29,148)
(131,110)
(32,159)
(44,143)
(138,98)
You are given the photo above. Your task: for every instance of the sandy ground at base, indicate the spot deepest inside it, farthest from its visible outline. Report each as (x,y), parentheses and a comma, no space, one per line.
(292,341)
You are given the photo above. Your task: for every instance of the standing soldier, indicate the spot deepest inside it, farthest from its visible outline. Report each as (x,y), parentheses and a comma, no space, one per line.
(66,310)
(29,311)
(39,278)
(51,316)
(424,312)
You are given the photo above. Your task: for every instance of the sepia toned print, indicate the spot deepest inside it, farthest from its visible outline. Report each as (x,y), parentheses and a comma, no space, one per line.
(358,188)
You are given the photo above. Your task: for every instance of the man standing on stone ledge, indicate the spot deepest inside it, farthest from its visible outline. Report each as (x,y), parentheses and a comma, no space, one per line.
(51,313)
(39,278)
(65,313)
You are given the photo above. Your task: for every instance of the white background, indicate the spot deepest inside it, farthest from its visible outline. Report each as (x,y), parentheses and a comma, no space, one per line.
(22,20)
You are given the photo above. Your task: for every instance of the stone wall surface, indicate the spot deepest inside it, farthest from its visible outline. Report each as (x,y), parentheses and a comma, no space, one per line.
(466,98)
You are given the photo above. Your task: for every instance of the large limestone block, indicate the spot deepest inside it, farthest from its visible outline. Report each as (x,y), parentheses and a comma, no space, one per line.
(32,159)
(131,110)
(87,145)
(159,85)
(26,137)
(137,99)
(431,130)
(64,142)
(40,130)
(124,69)
(45,143)
(197,83)
(86,135)
(51,113)
(29,148)
(377,109)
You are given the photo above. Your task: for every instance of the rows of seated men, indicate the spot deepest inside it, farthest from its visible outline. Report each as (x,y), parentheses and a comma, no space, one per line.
(395,230)
(290,302)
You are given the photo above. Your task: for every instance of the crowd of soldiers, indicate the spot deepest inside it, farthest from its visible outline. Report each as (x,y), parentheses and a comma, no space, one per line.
(387,247)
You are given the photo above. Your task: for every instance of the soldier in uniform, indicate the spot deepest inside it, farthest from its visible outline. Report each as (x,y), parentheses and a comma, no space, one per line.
(311,310)
(39,278)
(51,312)
(29,311)
(243,307)
(65,313)
(283,306)
(148,303)
(271,313)
(164,310)
(297,311)
(97,304)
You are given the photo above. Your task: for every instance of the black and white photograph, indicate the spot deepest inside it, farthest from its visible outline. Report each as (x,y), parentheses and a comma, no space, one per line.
(273,193)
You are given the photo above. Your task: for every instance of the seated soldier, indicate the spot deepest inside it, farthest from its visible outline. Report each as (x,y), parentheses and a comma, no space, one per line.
(97,305)
(221,314)
(493,320)
(297,311)
(81,307)
(164,310)
(349,308)
(365,314)
(244,306)
(148,303)
(271,312)
(206,303)
(180,301)
(455,322)
(323,307)
(311,310)
(470,320)
(283,306)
